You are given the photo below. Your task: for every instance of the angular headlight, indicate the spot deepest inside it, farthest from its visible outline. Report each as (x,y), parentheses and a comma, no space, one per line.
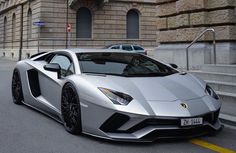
(211,92)
(116,97)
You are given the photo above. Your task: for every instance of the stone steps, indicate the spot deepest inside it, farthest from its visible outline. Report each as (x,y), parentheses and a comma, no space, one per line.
(228,103)
(222,78)
(222,86)
(215,76)
(219,68)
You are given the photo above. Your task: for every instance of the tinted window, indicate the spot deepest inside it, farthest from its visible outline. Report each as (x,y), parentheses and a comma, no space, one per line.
(122,64)
(138,48)
(127,47)
(115,47)
(65,64)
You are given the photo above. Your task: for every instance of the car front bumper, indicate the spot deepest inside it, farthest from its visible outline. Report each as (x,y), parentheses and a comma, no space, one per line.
(121,126)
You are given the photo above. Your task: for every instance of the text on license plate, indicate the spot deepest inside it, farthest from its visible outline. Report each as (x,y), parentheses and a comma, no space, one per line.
(191,121)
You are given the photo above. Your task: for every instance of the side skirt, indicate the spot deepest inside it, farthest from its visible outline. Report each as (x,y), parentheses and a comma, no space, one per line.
(55,117)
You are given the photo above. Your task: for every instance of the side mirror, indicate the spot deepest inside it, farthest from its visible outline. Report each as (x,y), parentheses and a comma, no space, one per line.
(53,67)
(173,65)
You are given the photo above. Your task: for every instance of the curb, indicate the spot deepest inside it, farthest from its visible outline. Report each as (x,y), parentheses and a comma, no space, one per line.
(228,119)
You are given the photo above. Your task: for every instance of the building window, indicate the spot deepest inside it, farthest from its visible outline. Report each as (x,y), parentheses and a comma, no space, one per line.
(4,32)
(132,24)
(13,30)
(29,24)
(84,23)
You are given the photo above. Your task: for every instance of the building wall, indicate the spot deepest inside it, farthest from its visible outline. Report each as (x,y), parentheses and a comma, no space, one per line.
(108,23)
(180,21)
(10,47)
(169,24)
(53,34)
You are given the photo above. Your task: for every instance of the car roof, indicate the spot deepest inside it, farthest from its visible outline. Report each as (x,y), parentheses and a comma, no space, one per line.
(122,44)
(92,50)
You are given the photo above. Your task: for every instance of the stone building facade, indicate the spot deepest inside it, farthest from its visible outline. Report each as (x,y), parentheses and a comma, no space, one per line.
(180,21)
(94,24)
(168,25)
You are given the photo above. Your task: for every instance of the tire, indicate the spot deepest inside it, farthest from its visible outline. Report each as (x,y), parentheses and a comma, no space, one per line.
(16,88)
(70,109)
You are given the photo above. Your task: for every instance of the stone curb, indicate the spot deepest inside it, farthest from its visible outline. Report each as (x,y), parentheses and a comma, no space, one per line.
(228,119)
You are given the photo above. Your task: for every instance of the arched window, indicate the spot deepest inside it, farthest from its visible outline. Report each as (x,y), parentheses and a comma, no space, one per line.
(132,24)
(13,27)
(84,23)
(29,24)
(4,32)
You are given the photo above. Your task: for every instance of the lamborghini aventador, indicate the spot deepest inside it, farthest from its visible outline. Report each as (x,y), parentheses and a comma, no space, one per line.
(116,95)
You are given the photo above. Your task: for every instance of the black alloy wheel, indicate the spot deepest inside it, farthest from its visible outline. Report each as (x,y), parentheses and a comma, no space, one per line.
(16,88)
(70,109)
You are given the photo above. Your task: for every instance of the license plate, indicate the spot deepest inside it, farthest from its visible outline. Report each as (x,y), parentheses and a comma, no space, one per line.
(191,121)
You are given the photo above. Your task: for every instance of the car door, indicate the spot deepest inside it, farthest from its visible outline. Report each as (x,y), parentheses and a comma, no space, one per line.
(51,85)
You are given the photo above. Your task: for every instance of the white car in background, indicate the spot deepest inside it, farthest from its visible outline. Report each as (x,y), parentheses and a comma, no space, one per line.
(128,47)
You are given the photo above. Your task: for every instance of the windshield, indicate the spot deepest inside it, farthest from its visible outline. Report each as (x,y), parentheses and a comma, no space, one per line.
(122,64)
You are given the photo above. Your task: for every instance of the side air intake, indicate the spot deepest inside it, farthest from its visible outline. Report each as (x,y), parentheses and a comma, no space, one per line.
(34,82)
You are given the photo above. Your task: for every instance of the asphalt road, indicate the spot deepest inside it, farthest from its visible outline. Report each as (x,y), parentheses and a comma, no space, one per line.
(24,130)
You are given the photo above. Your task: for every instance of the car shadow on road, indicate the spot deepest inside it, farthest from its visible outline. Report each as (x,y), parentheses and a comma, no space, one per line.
(135,143)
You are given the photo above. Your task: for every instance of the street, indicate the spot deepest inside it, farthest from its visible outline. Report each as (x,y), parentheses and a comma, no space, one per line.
(24,130)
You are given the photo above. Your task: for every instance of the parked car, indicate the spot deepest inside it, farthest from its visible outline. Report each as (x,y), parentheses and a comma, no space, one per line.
(128,47)
(116,95)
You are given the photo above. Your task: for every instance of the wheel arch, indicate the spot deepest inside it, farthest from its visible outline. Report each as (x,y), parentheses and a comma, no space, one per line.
(17,98)
(22,67)
(79,126)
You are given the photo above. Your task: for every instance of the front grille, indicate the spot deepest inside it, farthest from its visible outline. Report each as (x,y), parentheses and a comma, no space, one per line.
(216,116)
(211,117)
(154,122)
(117,120)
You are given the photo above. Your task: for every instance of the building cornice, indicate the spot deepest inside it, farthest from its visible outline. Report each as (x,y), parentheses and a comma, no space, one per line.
(135,1)
(99,2)
(102,2)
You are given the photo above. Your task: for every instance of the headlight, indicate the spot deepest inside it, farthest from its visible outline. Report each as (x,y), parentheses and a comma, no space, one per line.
(116,97)
(211,92)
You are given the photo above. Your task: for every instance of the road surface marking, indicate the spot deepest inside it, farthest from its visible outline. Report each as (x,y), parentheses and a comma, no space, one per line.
(211,146)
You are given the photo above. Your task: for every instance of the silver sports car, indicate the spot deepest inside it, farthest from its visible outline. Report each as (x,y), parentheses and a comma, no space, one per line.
(116,95)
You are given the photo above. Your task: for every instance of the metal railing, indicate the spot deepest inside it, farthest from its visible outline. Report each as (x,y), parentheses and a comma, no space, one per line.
(197,38)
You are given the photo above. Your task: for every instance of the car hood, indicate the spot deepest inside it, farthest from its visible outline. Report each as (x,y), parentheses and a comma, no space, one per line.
(169,88)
